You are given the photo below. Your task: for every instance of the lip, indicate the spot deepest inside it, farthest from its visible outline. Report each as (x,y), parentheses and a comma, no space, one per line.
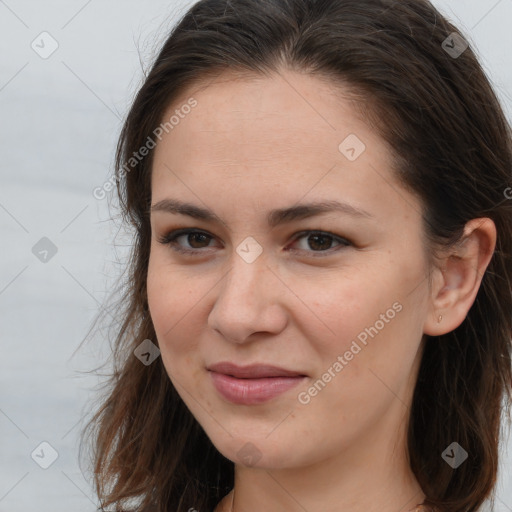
(252,371)
(253,384)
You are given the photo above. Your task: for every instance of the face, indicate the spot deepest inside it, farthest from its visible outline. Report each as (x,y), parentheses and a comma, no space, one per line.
(335,297)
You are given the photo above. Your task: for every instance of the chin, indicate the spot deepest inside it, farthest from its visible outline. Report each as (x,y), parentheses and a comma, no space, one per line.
(260,452)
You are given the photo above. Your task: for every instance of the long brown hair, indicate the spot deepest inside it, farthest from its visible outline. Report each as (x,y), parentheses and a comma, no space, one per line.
(429,98)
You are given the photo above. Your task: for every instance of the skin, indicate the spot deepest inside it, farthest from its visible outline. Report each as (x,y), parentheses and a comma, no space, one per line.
(252,145)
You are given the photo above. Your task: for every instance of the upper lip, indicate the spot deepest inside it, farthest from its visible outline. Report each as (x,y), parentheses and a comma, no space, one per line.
(253,371)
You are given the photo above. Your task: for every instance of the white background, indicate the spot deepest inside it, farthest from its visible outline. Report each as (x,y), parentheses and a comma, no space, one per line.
(59,122)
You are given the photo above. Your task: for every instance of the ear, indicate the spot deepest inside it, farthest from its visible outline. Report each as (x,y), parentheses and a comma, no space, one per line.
(457,279)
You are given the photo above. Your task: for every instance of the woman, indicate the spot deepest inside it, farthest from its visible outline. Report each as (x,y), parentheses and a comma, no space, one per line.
(318,308)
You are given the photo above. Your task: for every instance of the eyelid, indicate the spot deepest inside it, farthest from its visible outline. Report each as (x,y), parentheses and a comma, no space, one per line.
(172,235)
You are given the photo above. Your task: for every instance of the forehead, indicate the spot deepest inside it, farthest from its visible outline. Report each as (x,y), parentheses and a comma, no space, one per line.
(249,138)
(267,110)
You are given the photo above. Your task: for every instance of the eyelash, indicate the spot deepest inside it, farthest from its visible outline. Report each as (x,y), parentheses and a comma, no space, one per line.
(170,239)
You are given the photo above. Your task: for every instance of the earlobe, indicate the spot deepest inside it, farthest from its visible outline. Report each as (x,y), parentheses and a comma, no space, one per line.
(458,280)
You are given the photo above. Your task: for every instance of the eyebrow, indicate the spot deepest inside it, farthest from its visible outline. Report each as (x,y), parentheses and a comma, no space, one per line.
(274,218)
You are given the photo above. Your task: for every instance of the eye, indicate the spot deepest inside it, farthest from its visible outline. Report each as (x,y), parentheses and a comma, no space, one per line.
(196,239)
(316,241)
(321,242)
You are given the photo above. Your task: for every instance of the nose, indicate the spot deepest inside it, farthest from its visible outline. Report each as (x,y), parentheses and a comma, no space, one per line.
(249,300)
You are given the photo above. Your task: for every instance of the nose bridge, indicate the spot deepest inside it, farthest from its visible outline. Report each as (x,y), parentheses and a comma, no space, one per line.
(245,283)
(247,301)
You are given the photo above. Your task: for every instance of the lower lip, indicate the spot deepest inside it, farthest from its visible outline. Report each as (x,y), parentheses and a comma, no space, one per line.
(252,391)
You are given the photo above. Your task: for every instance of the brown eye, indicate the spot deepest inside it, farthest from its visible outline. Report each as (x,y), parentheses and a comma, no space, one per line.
(193,241)
(320,241)
(197,239)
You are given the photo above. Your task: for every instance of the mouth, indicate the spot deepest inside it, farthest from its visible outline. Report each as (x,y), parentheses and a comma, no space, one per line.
(254,384)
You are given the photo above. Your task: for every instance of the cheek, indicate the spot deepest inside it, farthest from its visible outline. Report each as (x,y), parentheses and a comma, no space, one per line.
(171,301)
(169,308)
(368,316)
(337,307)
